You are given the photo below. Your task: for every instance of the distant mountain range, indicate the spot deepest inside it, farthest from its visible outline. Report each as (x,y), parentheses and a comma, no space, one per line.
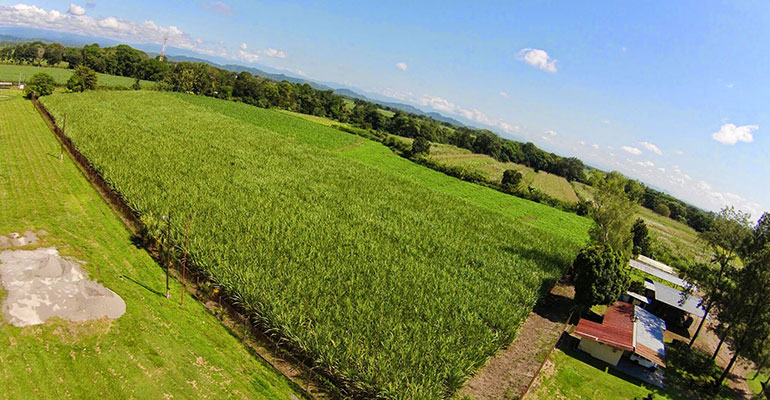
(15,35)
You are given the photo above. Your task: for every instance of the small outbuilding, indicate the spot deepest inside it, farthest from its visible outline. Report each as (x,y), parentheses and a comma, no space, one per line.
(626,330)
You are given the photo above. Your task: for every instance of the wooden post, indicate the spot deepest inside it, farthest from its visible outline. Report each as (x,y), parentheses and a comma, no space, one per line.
(184,260)
(168,251)
(61,142)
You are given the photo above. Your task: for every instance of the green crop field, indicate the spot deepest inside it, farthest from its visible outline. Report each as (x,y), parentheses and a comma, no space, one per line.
(550,184)
(157,349)
(11,73)
(397,280)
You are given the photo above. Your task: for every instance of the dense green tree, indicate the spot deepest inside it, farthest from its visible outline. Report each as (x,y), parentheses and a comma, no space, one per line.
(72,56)
(41,84)
(570,168)
(725,238)
(54,53)
(93,57)
(662,209)
(511,180)
(641,238)
(612,211)
(488,143)
(420,146)
(600,275)
(748,304)
(634,190)
(86,76)
(152,69)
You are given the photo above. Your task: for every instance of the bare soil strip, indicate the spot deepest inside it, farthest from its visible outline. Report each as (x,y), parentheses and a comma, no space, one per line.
(350,146)
(510,371)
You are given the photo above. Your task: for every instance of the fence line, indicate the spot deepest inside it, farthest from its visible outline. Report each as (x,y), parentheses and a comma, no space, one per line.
(547,356)
(321,382)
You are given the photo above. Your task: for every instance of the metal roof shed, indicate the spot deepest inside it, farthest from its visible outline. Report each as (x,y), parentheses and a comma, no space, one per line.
(678,299)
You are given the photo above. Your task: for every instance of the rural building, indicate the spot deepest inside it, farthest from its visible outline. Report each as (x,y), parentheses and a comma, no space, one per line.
(6,85)
(626,330)
(673,305)
(658,272)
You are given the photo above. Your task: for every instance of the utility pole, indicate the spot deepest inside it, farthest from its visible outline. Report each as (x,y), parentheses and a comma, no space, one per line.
(184,260)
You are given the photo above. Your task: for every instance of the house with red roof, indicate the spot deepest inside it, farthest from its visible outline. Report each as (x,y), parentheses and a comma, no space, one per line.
(626,330)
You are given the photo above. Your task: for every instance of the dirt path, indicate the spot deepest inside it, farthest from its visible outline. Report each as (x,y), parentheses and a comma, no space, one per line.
(350,146)
(509,372)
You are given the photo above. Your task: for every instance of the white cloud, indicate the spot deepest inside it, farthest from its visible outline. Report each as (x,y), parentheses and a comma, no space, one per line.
(218,7)
(245,55)
(538,59)
(76,9)
(25,15)
(646,164)
(679,152)
(582,142)
(301,72)
(730,134)
(402,66)
(651,147)
(730,85)
(504,94)
(632,150)
(550,132)
(595,146)
(606,122)
(274,53)
(75,21)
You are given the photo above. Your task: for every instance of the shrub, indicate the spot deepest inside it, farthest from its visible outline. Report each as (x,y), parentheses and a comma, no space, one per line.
(662,209)
(511,180)
(41,84)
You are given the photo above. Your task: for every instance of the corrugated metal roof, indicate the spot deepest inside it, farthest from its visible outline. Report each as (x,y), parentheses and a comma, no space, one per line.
(648,336)
(658,273)
(616,330)
(678,299)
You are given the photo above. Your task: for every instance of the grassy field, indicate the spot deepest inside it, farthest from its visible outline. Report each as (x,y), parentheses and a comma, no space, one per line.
(550,184)
(11,73)
(157,349)
(755,383)
(577,375)
(398,280)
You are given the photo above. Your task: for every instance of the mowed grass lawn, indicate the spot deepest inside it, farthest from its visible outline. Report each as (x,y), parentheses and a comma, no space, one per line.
(12,72)
(397,280)
(157,350)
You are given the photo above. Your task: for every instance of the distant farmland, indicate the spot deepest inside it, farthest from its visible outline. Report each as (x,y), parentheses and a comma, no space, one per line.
(396,280)
(553,185)
(11,73)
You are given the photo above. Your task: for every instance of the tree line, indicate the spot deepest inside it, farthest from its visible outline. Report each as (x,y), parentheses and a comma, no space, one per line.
(203,79)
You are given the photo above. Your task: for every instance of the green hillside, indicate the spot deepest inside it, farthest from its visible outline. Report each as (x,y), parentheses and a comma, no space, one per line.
(553,185)
(157,349)
(396,279)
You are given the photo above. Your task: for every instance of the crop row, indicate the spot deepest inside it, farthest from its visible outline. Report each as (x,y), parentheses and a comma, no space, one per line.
(394,289)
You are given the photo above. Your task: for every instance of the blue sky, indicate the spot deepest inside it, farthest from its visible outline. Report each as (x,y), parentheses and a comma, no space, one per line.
(672,93)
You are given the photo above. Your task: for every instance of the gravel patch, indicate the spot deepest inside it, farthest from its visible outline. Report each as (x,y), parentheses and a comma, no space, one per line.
(40,284)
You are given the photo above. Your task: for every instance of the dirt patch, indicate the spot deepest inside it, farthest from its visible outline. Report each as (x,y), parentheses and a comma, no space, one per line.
(509,372)
(350,146)
(16,239)
(40,284)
